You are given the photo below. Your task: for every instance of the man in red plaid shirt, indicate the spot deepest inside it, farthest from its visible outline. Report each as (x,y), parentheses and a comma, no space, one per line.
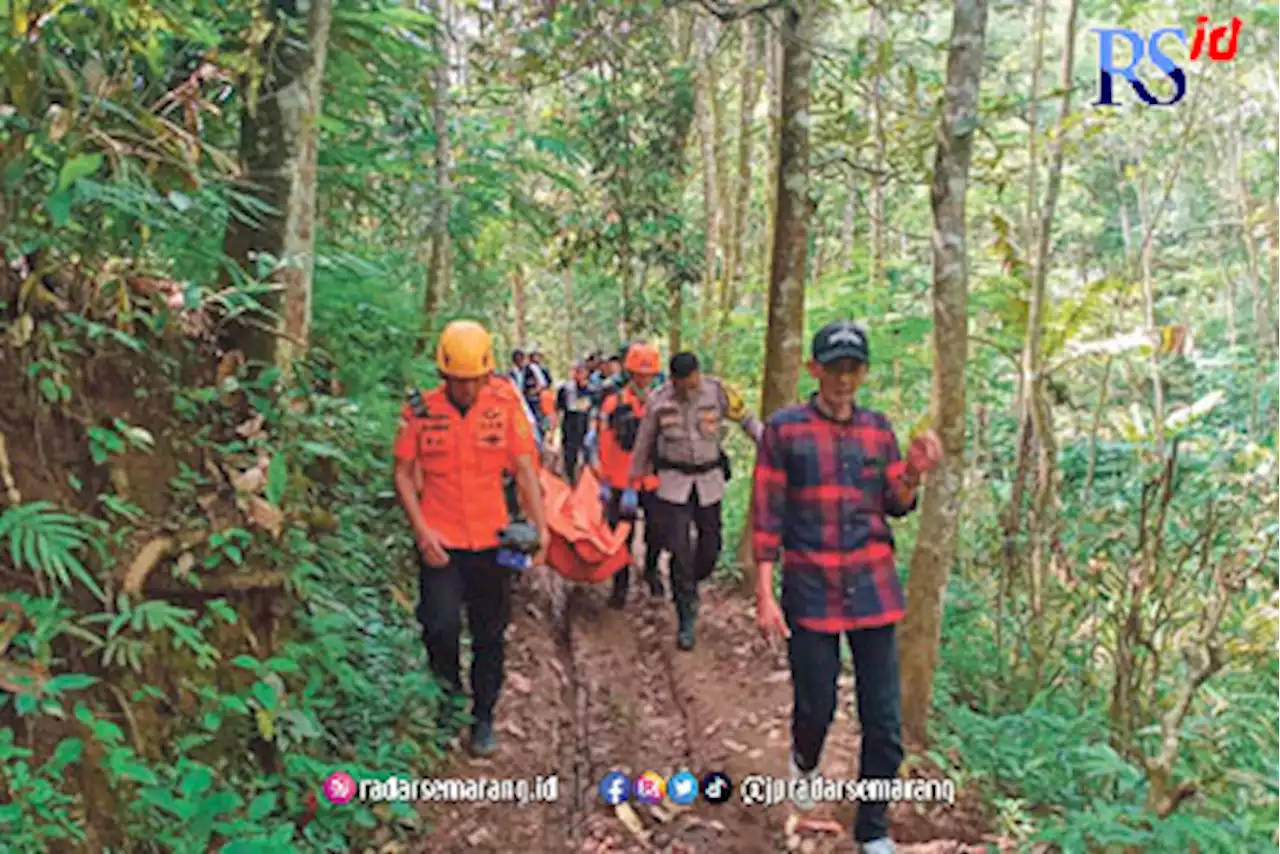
(828,473)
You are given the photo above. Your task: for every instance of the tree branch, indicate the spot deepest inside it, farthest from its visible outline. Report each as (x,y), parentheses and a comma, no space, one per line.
(728,14)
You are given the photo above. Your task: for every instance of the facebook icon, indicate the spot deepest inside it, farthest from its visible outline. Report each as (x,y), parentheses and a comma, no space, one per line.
(615,788)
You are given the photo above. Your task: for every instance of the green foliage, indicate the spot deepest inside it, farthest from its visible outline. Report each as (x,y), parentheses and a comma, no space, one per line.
(570,142)
(38,812)
(46,542)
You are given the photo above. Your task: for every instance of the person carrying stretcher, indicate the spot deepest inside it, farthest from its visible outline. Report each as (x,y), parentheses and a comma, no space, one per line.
(618,425)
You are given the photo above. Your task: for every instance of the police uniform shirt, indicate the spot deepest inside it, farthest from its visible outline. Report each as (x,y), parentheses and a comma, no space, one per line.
(687,432)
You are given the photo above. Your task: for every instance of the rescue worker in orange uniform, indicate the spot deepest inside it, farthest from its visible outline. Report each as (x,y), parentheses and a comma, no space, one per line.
(451,461)
(618,426)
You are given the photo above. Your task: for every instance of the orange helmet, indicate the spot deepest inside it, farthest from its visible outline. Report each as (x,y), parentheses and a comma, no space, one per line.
(464,351)
(642,359)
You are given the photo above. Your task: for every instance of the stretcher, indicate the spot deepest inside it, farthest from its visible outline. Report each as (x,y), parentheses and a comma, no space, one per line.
(584,548)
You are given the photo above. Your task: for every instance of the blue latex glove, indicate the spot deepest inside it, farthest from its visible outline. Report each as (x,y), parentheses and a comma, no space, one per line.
(589,444)
(630,500)
(606,491)
(514,560)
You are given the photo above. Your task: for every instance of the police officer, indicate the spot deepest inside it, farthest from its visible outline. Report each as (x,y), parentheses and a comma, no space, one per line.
(679,441)
(452,458)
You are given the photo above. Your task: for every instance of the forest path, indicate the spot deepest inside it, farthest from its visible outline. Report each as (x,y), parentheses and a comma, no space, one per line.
(590,690)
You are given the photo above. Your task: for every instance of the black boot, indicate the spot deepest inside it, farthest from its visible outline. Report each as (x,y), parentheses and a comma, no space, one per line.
(687,614)
(483,740)
(621,580)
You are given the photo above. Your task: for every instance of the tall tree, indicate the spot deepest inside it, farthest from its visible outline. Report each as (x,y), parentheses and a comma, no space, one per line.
(773,95)
(279,142)
(784,342)
(749,81)
(438,267)
(935,546)
(519,304)
(1035,418)
(878,32)
(712,198)
(1043,504)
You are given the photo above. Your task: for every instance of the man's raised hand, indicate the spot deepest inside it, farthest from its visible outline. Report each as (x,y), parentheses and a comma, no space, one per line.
(923,454)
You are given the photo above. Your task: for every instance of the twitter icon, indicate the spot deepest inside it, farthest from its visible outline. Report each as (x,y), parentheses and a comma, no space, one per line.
(682,788)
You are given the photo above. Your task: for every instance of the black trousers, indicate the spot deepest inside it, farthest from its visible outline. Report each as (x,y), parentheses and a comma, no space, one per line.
(815,665)
(572,451)
(474,581)
(691,563)
(652,543)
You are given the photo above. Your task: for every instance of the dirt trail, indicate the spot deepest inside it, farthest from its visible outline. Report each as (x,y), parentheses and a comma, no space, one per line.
(591,690)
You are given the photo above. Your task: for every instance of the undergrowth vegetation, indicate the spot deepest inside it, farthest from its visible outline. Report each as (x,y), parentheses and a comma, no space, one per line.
(277,657)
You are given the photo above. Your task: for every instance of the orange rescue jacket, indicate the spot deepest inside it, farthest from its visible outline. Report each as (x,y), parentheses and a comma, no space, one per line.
(620,417)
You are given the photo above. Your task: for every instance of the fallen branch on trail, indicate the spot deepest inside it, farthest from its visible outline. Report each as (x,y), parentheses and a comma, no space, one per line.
(135,577)
(220,585)
(6,476)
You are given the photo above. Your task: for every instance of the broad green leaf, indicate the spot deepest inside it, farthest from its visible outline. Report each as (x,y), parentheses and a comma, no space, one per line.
(70,682)
(262,805)
(277,479)
(59,207)
(196,782)
(266,696)
(77,168)
(68,751)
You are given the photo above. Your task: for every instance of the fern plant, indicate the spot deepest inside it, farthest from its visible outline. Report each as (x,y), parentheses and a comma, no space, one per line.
(46,541)
(119,649)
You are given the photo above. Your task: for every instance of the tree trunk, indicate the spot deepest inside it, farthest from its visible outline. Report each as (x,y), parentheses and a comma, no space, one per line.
(819,248)
(570,318)
(773,92)
(1149,314)
(784,341)
(1033,126)
(1022,446)
(750,83)
(935,545)
(519,303)
(279,141)
(878,32)
(1274,281)
(850,224)
(438,267)
(1229,301)
(1043,502)
(676,303)
(1273,288)
(683,23)
(1261,323)
(711,201)
(1035,425)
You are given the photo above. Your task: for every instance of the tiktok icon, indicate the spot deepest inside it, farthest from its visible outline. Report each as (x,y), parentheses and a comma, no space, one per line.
(717,788)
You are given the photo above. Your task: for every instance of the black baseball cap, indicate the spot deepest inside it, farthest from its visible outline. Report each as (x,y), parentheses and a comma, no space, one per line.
(840,340)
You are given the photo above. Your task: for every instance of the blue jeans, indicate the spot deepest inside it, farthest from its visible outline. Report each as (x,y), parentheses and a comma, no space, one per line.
(815,665)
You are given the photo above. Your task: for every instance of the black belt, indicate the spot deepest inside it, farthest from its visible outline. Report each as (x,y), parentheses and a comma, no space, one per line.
(686,468)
